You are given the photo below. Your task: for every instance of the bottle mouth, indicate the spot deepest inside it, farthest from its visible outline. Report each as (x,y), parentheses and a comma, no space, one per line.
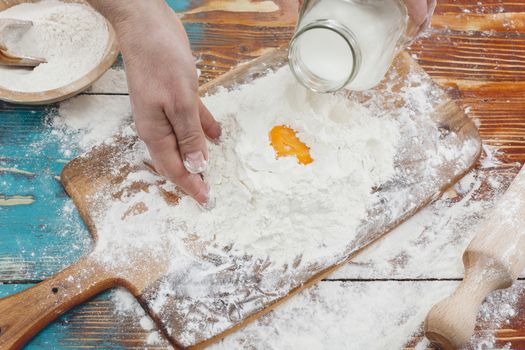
(324,56)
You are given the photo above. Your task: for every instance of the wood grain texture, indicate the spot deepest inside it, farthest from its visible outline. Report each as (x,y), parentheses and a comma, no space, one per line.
(94,325)
(100,324)
(509,333)
(26,313)
(245,287)
(493,260)
(497,105)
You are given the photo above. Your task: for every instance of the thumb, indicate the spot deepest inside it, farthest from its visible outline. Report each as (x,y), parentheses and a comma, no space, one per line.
(210,126)
(417,10)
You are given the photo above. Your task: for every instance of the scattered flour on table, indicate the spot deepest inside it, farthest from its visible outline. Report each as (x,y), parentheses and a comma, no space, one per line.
(92,118)
(128,309)
(113,81)
(422,344)
(351,315)
(71,37)
(154,338)
(445,227)
(496,312)
(342,315)
(334,315)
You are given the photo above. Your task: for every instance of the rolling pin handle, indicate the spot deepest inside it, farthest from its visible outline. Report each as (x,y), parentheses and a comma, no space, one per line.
(450,323)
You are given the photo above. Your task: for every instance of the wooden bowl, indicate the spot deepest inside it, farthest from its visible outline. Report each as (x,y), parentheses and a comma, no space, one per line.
(71,89)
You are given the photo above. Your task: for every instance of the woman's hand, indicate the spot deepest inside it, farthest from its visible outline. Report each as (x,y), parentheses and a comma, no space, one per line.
(420,13)
(162,78)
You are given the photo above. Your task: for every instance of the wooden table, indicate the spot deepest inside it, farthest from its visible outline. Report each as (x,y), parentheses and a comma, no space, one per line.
(476,51)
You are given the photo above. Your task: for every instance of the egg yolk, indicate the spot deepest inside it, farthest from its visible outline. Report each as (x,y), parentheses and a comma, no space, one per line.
(285,142)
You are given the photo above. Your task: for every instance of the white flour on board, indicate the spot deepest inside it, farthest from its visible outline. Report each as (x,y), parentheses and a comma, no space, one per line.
(276,328)
(445,228)
(264,206)
(71,37)
(441,228)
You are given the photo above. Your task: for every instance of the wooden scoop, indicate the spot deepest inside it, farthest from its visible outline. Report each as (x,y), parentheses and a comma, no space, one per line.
(493,260)
(10,27)
(8,59)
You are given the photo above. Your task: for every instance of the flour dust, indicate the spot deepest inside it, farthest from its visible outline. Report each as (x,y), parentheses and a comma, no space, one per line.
(333,307)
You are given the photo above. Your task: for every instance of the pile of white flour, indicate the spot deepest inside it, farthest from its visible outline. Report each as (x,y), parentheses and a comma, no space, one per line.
(72,38)
(277,205)
(267,206)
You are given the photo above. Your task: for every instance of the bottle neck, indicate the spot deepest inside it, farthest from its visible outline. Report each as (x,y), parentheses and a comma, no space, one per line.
(324,55)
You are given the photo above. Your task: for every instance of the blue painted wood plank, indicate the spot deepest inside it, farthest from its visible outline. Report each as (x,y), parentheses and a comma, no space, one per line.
(179,5)
(93,325)
(40,238)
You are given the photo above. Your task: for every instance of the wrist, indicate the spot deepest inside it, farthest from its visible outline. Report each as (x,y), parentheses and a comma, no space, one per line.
(125,14)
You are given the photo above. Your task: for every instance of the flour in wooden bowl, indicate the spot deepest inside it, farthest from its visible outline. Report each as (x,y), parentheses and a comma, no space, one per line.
(72,37)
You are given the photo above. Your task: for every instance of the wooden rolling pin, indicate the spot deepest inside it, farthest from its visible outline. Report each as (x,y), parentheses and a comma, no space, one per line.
(493,260)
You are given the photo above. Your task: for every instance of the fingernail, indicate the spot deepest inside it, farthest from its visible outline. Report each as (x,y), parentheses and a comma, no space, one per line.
(220,131)
(195,162)
(209,205)
(217,139)
(210,201)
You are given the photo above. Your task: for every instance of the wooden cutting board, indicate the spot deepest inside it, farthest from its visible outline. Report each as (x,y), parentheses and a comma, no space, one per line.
(444,141)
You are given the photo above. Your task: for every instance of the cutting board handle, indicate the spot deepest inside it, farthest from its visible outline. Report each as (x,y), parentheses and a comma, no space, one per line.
(24,314)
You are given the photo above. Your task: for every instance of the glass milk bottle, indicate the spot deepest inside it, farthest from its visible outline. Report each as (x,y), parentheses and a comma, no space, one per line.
(346,43)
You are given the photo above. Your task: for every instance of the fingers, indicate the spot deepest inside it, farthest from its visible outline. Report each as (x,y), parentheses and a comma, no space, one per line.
(168,163)
(417,10)
(210,126)
(157,132)
(183,115)
(431,6)
(420,13)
